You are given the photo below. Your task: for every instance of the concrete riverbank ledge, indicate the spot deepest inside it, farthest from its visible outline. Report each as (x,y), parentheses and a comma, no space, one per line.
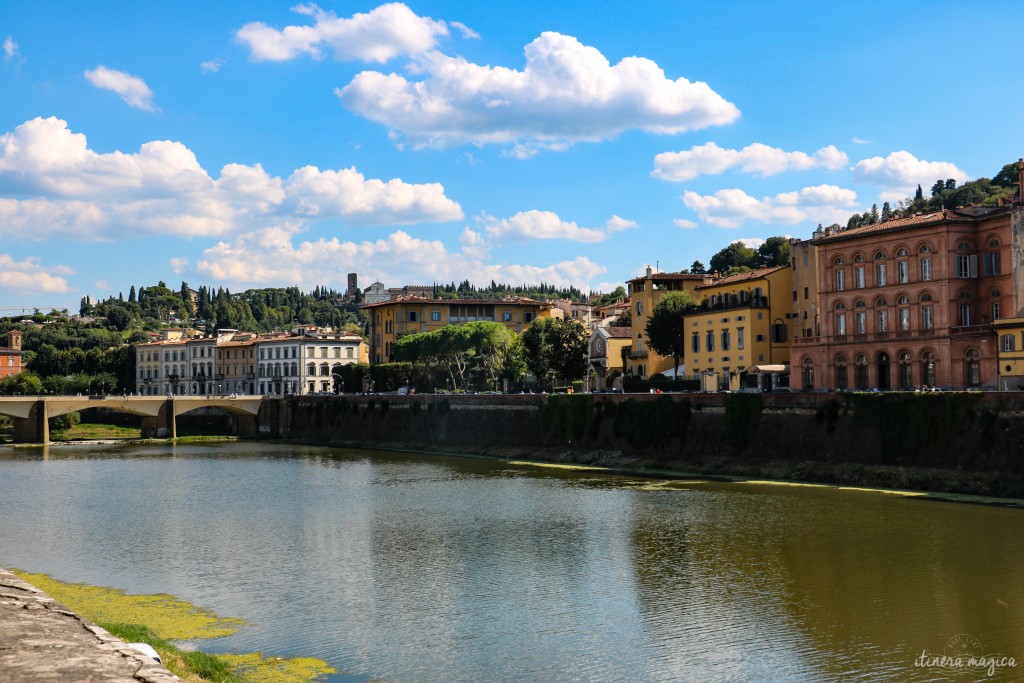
(41,640)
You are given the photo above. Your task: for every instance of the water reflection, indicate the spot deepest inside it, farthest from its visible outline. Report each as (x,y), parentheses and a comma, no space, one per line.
(411,568)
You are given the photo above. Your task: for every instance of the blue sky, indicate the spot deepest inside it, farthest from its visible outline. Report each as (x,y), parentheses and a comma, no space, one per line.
(271,144)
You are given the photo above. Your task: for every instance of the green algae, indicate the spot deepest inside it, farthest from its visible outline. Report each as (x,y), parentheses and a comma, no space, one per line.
(255,668)
(165,615)
(157,618)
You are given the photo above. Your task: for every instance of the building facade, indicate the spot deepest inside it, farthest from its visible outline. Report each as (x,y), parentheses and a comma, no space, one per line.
(10,355)
(644,294)
(605,353)
(409,314)
(913,302)
(743,322)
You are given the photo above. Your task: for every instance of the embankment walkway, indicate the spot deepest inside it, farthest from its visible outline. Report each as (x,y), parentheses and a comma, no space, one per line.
(41,640)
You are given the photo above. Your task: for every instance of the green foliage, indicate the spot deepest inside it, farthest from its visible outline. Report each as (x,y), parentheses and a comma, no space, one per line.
(64,422)
(647,424)
(571,415)
(624,319)
(556,349)
(736,254)
(666,328)
(742,420)
(209,667)
(915,428)
(774,252)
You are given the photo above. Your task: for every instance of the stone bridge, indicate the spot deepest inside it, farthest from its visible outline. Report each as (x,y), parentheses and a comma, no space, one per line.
(31,414)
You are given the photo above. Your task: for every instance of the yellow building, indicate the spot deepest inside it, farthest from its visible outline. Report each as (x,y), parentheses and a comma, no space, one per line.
(743,321)
(236,365)
(645,293)
(1010,360)
(406,315)
(605,353)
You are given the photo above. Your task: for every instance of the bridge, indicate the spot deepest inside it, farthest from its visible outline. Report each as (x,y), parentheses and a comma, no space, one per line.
(31,414)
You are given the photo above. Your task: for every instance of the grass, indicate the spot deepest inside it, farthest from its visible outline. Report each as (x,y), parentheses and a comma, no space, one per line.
(96,432)
(188,665)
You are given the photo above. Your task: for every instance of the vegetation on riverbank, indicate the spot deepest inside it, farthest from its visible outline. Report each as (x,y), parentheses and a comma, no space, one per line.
(161,619)
(95,432)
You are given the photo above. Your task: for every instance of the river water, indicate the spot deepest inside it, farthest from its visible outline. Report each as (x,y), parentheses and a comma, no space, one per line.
(415,569)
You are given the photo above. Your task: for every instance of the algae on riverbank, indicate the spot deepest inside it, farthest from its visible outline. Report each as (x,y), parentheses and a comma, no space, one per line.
(156,619)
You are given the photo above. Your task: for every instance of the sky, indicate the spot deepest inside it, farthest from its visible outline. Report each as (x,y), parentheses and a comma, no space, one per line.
(269,144)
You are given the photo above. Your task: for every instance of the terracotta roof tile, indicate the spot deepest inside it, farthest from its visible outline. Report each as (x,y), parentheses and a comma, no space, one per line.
(894,224)
(423,300)
(668,276)
(741,277)
(619,332)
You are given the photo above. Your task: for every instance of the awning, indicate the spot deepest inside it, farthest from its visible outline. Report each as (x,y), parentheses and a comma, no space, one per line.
(768,369)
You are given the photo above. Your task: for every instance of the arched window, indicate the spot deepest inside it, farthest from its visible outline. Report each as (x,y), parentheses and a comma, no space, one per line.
(902,300)
(972,368)
(840,306)
(926,297)
(905,372)
(880,301)
(993,243)
(861,372)
(859,304)
(879,255)
(924,249)
(838,261)
(963,246)
(901,252)
(928,368)
(859,258)
(884,378)
(842,380)
(807,372)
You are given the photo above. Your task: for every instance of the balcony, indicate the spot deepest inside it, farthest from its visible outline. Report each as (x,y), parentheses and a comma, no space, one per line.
(756,302)
(218,377)
(971,329)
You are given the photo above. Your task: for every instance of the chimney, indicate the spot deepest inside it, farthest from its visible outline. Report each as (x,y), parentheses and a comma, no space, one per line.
(648,271)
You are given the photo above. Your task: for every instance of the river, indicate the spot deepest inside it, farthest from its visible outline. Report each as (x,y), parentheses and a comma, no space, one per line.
(414,569)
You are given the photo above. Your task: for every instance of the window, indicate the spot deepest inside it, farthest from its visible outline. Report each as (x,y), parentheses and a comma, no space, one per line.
(806,292)
(695,343)
(805,259)
(506,317)
(904,323)
(412,316)
(883,321)
(779,333)
(860,372)
(639,343)
(965,315)
(842,379)
(349,352)
(710,340)
(435,316)
(840,280)
(992,263)
(861,318)
(527,317)
(880,275)
(725,340)
(639,307)
(841,324)
(739,338)
(808,374)
(966,265)
(1006,342)
(926,269)
(903,272)
(996,310)
(858,277)
(973,369)
(905,372)
(928,368)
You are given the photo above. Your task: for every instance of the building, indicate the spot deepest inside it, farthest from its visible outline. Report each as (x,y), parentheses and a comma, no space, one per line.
(375,293)
(10,355)
(305,360)
(408,314)
(601,315)
(644,294)
(605,353)
(1010,358)
(235,367)
(916,301)
(575,310)
(742,323)
(161,367)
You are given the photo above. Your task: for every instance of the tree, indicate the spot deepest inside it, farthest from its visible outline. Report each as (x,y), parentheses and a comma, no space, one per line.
(774,252)
(1008,176)
(556,349)
(735,255)
(624,319)
(886,212)
(919,195)
(874,214)
(698,268)
(937,188)
(666,328)
(119,318)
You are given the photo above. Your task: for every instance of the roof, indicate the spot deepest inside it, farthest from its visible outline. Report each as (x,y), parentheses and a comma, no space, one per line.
(970,213)
(668,276)
(755,274)
(520,301)
(618,332)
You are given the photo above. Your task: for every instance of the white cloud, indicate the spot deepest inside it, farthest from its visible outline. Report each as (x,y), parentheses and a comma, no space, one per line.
(102,284)
(750,242)
(30,277)
(212,66)
(546,225)
(731,208)
(567,92)
(902,172)
(466,31)
(270,256)
(10,50)
(684,223)
(759,159)
(132,89)
(52,184)
(389,31)
(858,141)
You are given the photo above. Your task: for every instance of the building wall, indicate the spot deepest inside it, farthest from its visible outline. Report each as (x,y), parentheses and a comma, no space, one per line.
(904,334)
(645,293)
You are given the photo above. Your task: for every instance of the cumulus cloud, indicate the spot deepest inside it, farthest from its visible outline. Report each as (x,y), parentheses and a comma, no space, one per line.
(30,277)
(567,92)
(859,141)
(132,89)
(684,223)
(52,184)
(271,255)
(759,159)
(547,225)
(389,31)
(903,172)
(731,208)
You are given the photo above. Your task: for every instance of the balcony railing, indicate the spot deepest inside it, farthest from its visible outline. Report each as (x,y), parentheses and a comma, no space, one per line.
(757,302)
